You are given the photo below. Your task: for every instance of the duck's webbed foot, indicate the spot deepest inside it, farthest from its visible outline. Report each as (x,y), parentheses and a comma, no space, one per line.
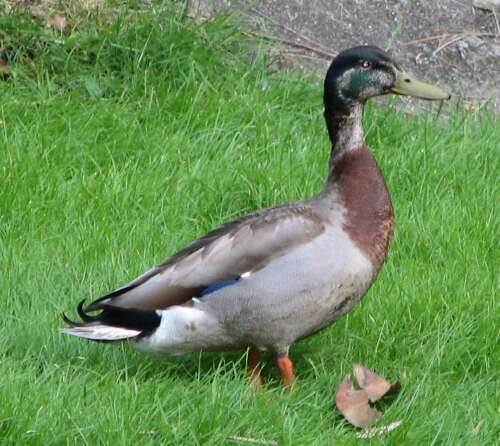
(286,368)
(254,366)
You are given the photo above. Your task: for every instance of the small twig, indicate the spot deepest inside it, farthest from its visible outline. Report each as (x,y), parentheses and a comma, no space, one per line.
(496,21)
(324,53)
(238,439)
(424,39)
(281,50)
(439,109)
(447,43)
(444,35)
(307,56)
(290,30)
(465,31)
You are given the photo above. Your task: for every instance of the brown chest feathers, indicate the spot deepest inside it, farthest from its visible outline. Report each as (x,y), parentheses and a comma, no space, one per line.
(370,216)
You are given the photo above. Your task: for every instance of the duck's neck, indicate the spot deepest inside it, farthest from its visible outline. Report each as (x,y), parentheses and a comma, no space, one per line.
(356,182)
(345,128)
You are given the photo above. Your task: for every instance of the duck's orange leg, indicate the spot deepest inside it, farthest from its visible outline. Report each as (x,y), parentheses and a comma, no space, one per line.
(286,368)
(254,366)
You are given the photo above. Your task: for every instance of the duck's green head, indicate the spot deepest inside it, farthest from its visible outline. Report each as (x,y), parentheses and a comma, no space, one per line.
(363,72)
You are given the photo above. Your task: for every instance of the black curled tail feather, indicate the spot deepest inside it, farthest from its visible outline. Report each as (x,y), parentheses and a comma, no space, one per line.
(145,321)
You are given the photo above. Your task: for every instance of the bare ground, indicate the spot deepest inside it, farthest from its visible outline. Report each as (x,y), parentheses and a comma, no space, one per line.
(449,42)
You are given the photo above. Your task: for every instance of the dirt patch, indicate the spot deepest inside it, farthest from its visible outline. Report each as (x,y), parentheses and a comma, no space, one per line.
(449,42)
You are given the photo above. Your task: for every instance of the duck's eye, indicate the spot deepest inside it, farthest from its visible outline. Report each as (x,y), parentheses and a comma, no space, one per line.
(365,64)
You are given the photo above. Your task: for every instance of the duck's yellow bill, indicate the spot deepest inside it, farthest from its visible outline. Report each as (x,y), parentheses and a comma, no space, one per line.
(407,85)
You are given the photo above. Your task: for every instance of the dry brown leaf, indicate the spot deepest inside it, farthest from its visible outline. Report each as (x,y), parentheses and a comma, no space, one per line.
(5,70)
(354,405)
(374,385)
(470,106)
(58,22)
(36,10)
(357,406)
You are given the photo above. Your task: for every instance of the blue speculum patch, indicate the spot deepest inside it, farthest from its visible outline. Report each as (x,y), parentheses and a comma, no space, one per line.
(217,286)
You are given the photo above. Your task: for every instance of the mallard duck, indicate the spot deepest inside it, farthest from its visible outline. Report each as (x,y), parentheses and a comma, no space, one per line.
(279,274)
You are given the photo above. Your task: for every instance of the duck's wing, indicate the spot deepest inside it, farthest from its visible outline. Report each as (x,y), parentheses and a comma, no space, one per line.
(221,256)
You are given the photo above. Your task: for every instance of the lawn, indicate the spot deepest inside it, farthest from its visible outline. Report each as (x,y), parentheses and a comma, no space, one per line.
(121,142)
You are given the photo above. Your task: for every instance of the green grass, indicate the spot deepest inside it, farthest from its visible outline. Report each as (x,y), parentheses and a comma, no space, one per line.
(121,143)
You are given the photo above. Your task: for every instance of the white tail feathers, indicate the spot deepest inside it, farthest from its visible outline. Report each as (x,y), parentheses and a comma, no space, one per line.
(101,332)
